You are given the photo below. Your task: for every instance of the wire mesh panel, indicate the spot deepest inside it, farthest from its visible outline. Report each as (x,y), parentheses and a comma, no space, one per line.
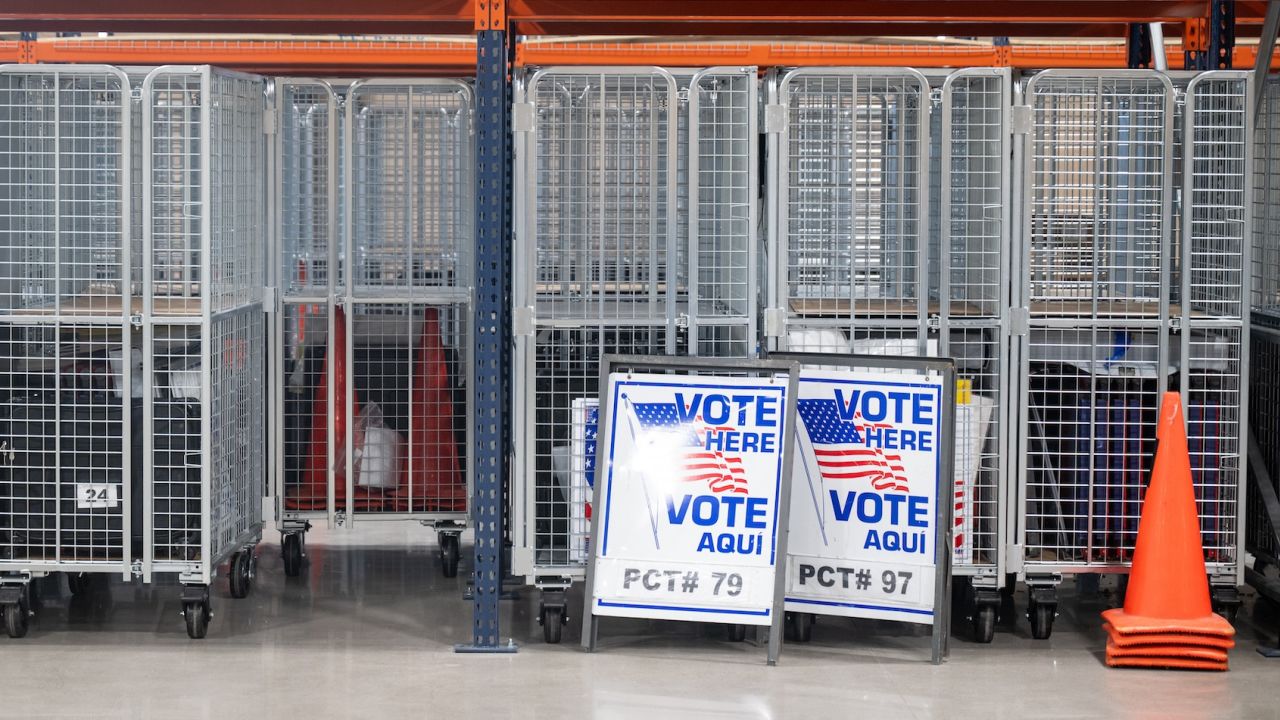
(971,295)
(1099,224)
(70,494)
(848,235)
(635,235)
(1213,292)
(1264,428)
(1264,338)
(203,271)
(375,407)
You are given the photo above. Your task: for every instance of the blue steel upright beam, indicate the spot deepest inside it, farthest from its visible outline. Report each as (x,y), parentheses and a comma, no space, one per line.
(492,329)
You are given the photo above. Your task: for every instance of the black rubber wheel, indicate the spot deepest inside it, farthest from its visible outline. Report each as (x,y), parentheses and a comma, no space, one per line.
(984,623)
(291,552)
(799,626)
(16,620)
(450,552)
(1041,616)
(78,583)
(552,624)
(197,617)
(240,570)
(737,633)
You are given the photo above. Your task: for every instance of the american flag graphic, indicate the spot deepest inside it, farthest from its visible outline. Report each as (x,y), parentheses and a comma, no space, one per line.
(839,448)
(722,473)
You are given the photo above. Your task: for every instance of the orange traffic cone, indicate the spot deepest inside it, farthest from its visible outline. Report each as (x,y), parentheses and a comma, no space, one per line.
(435,482)
(313,492)
(1168,587)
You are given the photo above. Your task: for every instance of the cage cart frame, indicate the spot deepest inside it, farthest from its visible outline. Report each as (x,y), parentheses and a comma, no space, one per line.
(922,208)
(193,315)
(323,269)
(1150,296)
(659,163)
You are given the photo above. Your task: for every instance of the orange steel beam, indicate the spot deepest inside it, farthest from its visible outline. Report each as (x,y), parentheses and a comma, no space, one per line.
(864,17)
(799,54)
(759,54)
(325,57)
(11,51)
(244,16)
(650,17)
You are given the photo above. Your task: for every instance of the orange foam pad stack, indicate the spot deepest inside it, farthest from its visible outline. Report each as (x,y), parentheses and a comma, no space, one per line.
(435,482)
(1167,603)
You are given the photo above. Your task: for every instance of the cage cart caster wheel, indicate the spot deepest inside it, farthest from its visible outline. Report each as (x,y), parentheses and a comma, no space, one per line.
(197,614)
(291,553)
(450,552)
(984,623)
(17,620)
(800,626)
(737,633)
(1226,602)
(78,583)
(553,620)
(1041,616)
(241,573)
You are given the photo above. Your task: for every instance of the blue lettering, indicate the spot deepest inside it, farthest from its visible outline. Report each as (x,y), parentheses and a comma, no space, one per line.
(899,398)
(767,444)
(926,441)
(715,410)
(742,401)
(873,541)
(712,508)
(731,503)
(676,517)
(918,511)
(688,411)
(750,442)
(757,507)
(881,407)
(841,510)
(872,515)
(766,411)
(922,409)
(847,407)
(705,543)
(715,440)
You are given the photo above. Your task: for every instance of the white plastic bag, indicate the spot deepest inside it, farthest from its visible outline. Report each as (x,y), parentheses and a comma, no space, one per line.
(377,458)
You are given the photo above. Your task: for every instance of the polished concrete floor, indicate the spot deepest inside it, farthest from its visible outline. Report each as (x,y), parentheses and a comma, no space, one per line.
(369,631)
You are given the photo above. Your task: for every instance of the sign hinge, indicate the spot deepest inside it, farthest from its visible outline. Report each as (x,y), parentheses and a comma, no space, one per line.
(775,322)
(522,321)
(1013,558)
(1019,321)
(522,117)
(1020,120)
(775,118)
(269,121)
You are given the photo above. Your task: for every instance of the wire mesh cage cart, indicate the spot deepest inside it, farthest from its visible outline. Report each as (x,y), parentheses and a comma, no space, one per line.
(374,270)
(1264,348)
(635,231)
(1135,221)
(889,234)
(131,398)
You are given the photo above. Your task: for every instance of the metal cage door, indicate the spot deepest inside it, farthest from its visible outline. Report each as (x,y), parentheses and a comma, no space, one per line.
(597,268)
(974,266)
(849,161)
(70,494)
(1092,310)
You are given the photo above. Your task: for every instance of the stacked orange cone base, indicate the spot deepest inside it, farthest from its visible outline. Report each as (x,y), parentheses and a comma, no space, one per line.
(1168,619)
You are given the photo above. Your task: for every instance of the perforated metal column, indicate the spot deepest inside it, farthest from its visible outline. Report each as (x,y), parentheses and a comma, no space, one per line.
(492,389)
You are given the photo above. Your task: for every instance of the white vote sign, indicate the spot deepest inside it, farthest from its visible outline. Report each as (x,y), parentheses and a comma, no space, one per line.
(691,469)
(864,504)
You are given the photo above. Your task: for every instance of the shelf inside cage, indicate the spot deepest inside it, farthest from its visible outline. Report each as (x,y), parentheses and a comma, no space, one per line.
(112,306)
(876,307)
